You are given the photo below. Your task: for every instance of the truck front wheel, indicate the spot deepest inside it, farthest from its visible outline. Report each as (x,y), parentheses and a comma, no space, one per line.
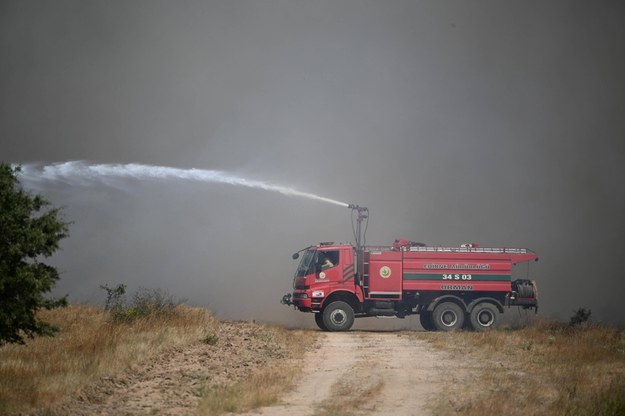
(338,316)
(483,316)
(448,317)
(319,321)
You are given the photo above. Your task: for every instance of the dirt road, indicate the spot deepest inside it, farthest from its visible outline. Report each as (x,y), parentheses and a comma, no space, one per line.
(369,373)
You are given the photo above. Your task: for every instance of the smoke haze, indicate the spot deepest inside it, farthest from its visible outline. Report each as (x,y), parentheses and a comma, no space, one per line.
(500,123)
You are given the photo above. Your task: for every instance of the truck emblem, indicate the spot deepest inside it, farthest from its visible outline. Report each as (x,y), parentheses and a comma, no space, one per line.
(385,272)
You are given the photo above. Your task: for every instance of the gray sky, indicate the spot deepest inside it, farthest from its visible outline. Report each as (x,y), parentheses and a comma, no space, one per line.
(496,122)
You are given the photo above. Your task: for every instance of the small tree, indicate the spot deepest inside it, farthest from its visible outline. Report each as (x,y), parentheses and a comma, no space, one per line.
(30,229)
(115,296)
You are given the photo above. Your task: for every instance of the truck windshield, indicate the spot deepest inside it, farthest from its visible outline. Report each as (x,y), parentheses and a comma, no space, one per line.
(306,265)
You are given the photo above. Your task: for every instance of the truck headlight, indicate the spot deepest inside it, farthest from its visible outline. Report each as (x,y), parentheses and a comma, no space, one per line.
(317,294)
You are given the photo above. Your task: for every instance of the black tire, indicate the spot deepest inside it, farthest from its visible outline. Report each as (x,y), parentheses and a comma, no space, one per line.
(425,319)
(448,316)
(338,316)
(484,316)
(319,321)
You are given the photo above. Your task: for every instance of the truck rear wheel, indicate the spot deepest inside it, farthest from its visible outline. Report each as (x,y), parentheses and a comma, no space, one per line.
(448,317)
(483,316)
(319,321)
(338,316)
(425,319)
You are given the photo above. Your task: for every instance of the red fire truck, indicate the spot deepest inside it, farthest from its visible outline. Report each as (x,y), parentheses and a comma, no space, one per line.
(448,287)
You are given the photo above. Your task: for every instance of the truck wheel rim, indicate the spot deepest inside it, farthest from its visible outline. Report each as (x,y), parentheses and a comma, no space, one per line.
(485,318)
(338,317)
(449,318)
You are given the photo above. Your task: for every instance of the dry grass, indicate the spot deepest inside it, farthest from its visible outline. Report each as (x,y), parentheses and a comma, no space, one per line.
(545,369)
(45,371)
(264,386)
(261,389)
(351,396)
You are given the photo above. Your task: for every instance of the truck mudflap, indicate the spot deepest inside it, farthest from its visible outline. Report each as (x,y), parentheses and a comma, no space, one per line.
(524,293)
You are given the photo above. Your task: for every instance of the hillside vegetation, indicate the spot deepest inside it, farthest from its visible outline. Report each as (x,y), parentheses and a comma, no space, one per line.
(46,370)
(547,368)
(182,360)
(95,352)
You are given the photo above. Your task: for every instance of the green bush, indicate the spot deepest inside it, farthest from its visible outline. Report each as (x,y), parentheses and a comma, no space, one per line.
(580,316)
(211,339)
(145,303)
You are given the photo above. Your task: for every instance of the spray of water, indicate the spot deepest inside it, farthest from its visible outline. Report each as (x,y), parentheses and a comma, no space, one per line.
(76,173)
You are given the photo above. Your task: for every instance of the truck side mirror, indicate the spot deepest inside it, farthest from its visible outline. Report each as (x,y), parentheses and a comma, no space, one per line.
(295,256)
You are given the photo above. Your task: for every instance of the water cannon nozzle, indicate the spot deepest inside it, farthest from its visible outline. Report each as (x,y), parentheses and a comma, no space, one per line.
(358,208)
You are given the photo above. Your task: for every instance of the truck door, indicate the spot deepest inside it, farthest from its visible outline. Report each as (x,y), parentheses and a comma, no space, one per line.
(327,266)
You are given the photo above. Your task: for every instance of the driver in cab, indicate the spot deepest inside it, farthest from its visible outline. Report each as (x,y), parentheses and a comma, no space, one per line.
(325,262)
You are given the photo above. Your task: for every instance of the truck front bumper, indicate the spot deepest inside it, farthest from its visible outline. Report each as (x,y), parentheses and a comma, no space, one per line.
(300,300)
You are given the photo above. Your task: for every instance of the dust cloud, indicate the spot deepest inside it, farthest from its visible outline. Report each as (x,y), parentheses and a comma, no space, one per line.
(494,123)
